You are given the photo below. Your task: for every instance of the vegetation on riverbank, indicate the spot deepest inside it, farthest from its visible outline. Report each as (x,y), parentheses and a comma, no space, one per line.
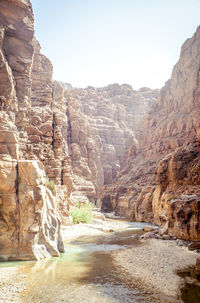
(82,213)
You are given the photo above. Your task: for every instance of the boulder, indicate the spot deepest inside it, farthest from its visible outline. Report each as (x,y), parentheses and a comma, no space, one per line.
(30,223)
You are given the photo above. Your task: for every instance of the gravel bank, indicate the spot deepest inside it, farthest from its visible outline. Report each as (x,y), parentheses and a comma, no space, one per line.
(154,264)
(11,284)
(97,227)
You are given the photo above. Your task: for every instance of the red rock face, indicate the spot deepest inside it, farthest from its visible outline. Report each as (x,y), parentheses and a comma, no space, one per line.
(168,148)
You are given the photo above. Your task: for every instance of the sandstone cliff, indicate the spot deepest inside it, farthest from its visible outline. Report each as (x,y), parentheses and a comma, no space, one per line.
(161,180)
(29,220)
(103,123)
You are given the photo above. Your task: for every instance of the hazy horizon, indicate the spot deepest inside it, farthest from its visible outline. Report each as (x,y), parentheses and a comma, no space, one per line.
(99,42)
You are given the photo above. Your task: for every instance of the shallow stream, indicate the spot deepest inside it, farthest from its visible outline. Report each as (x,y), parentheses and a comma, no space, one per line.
(85,272)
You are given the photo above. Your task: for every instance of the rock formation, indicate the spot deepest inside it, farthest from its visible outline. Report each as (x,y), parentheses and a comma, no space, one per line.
(176,199)
(29,220)
(161,180)
(103,123)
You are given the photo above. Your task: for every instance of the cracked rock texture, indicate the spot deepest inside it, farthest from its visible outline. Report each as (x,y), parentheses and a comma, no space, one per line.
(161,180)
(103,125)
(29,220)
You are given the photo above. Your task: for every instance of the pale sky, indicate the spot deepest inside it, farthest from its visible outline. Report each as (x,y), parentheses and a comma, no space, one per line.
(99,42)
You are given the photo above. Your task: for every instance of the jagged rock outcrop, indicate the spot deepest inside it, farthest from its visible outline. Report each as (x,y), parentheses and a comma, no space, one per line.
(87,171)
(176,199)
(103,123)
(30,225)
(48,124)
(29,220)
(168,149)
(39,222)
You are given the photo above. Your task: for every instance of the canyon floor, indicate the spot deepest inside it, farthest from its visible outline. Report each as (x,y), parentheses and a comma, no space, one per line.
(152,264)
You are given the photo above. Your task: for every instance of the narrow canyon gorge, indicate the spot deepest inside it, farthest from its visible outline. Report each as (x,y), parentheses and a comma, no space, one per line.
(132,152)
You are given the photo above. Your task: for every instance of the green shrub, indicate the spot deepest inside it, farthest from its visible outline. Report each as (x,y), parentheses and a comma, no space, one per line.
(51,185)
(82,213)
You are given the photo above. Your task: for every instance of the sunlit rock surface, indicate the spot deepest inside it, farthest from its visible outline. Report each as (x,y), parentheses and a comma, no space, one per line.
(29,221)
(168,148)
(103,125)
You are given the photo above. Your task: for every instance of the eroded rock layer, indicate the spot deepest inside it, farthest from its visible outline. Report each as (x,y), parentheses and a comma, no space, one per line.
(29,220)
(161,180)
(103,123)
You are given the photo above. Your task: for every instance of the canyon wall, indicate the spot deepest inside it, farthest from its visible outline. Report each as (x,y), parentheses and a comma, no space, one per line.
(161,180)
(30,141)
(103,126)
(52,135)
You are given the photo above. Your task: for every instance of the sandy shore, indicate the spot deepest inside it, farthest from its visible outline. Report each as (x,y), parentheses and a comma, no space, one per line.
(11,284)
(154,264)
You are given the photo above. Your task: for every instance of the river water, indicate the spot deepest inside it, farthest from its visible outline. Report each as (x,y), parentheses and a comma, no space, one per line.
(85,273)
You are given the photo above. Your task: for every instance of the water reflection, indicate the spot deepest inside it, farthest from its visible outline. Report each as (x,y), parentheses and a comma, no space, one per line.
(85,273)
(190,293)
(76,276)
(73,263)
